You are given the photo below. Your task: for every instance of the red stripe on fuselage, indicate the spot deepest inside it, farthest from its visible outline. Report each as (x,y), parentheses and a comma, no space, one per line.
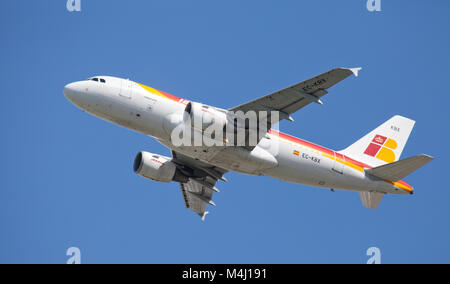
(325,150)
(171,97)
(318,148)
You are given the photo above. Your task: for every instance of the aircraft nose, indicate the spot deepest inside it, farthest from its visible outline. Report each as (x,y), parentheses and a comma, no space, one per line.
(72,91)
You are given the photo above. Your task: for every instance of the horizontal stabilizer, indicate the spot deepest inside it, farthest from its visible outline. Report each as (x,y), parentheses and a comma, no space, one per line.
(398,170)
(371,200)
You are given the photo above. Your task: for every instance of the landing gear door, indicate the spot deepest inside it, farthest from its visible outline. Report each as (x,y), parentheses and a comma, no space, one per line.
(126,89)
(339,161)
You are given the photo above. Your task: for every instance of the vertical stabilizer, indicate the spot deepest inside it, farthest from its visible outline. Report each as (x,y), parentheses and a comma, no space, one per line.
(371,200)
(383,145)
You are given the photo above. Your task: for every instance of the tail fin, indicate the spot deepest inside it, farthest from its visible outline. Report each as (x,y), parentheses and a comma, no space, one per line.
(383,145)
(371,200)
(398,170)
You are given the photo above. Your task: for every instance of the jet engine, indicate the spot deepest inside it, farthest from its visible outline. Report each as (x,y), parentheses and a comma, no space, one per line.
(196,117)
(214,125)
(202,116)
(157,168)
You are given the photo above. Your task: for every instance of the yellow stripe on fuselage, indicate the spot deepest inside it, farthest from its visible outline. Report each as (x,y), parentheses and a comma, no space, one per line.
(151,90)
(345,162)
(401,186)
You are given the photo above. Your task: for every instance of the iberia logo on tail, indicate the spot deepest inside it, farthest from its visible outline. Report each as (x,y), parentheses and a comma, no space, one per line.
(382,148)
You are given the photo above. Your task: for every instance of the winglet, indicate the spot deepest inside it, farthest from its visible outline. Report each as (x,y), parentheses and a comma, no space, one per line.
(204,215)
(355,71)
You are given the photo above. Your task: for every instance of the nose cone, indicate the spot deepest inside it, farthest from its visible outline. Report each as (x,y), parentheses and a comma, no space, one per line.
(72,91)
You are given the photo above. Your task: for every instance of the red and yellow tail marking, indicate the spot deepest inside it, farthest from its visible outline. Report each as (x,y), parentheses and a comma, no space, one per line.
(382,148)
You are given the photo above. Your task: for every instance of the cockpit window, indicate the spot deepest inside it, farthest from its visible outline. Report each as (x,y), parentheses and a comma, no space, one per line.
(96,79)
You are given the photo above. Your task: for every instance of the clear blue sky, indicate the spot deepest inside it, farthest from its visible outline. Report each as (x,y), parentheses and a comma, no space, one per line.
(67,178)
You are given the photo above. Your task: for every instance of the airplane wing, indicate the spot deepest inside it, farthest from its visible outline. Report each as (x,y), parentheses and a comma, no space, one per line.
(290,100)
(198,190)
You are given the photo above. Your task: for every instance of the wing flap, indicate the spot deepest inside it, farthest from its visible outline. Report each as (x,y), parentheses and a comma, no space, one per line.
(199,188)
(197,196)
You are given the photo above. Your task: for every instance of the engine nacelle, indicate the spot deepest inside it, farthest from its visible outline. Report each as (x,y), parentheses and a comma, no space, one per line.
(202,116)
(155,167)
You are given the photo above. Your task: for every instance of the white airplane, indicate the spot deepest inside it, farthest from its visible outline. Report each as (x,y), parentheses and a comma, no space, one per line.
(370,166)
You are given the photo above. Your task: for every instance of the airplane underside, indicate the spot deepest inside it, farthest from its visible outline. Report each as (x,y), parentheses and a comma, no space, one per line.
(371,165)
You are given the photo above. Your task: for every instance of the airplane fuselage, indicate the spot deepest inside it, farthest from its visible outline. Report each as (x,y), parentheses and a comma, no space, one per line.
(277,155)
